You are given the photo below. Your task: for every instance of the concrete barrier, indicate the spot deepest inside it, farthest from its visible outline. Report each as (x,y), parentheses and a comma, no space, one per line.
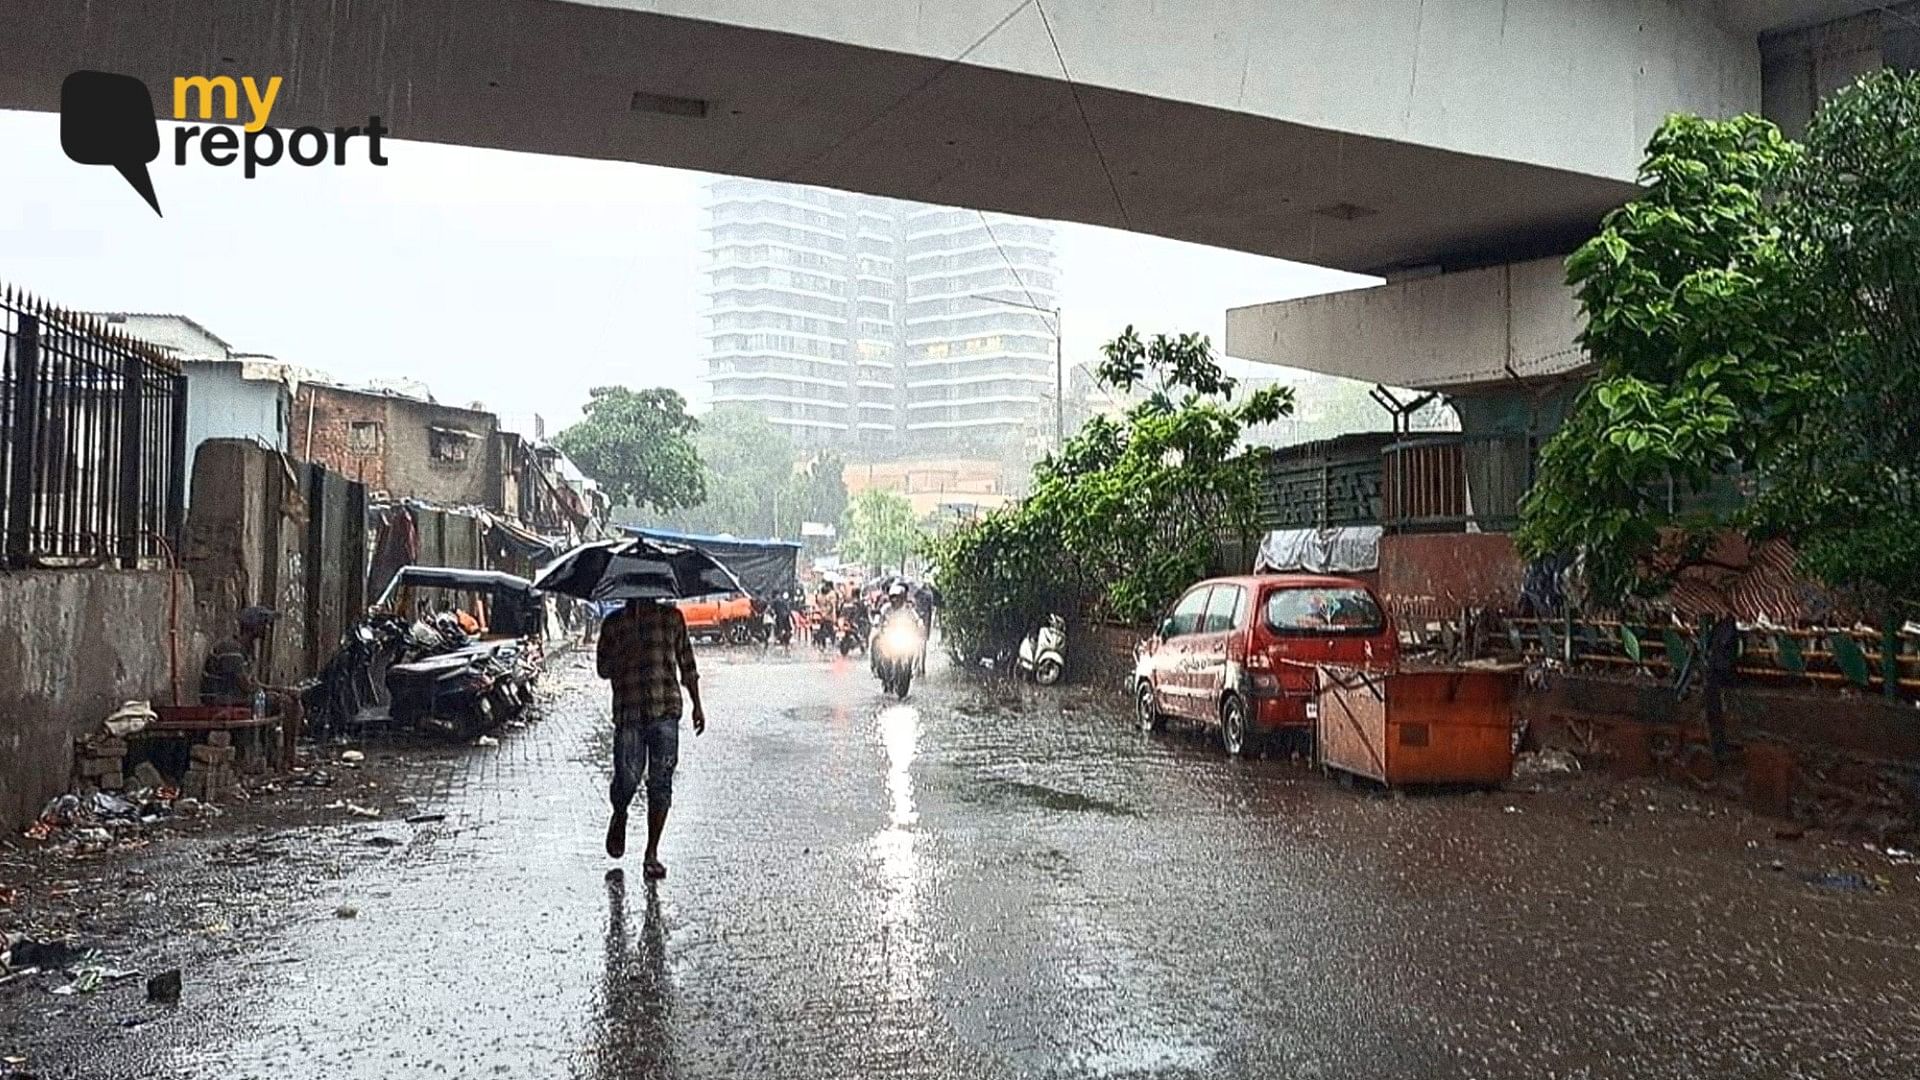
(78,643)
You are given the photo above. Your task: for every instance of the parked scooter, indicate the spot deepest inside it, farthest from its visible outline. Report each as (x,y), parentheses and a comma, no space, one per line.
(355,677)
(459,693)
(1043,653)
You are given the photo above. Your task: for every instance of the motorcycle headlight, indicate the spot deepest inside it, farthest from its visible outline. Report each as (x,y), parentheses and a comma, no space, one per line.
(900,639)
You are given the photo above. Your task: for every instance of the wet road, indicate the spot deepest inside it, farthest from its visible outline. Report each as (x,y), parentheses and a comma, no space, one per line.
(988,882)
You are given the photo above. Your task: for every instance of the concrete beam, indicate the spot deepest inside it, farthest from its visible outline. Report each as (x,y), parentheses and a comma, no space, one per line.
(1516,320)
(1362,136)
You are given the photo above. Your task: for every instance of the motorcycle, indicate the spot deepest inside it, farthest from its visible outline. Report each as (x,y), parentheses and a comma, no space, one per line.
(354,678)
(825,630)
(459,692)
(896,651)
(854,625)
(1043,653)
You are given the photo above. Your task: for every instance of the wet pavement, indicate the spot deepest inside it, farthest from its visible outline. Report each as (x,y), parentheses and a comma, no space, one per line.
(989,881)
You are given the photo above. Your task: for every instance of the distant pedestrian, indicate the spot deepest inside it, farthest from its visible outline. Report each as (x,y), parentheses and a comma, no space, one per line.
(646,654)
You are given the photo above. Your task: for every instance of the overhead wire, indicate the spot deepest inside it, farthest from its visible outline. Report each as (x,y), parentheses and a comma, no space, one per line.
(914,92)
(1073,88)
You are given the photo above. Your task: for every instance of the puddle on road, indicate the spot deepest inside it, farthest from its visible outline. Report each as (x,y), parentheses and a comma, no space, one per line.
(1050,798)
(1146,1056)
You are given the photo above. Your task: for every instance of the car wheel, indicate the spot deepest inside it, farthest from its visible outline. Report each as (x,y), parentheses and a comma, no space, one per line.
(1143,708)
(1233,725)
(1047,672)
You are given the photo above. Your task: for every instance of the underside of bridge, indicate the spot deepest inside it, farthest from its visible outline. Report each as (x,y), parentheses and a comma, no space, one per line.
(1460,149)
(610,82)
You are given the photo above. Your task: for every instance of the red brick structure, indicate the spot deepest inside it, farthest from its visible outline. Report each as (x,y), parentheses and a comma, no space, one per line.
(406,447)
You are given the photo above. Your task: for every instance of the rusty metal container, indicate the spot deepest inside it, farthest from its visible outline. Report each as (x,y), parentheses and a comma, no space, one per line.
(1443,726)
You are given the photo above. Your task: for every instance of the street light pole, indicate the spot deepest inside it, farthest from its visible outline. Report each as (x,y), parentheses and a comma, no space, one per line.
(1059,363)
(1059,383)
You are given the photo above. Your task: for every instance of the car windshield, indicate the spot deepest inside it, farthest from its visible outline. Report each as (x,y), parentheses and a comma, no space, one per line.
(1322,609)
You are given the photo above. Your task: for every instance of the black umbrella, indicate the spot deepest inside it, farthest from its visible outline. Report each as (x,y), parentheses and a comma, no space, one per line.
(637,569)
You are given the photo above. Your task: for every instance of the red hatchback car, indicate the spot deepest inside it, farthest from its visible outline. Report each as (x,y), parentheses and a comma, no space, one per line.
(1239,653)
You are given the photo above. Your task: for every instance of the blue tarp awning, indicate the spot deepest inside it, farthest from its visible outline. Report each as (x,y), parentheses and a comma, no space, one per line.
(763,566)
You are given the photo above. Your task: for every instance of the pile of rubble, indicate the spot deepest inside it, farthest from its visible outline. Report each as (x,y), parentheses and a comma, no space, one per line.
(108,801)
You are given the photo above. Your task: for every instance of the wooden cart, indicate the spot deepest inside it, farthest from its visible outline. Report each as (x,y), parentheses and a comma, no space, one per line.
(1449,726)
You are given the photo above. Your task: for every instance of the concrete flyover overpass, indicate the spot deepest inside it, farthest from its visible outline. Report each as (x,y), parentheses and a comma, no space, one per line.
(1401,137)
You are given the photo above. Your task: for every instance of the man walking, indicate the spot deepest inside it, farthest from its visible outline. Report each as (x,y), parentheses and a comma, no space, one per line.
(645,652)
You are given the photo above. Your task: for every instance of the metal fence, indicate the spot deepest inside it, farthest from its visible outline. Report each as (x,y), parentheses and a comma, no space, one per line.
(92,442)
(1445,483)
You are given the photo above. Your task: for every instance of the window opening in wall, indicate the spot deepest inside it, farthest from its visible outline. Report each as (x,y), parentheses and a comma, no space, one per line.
(448,446)
(363,437)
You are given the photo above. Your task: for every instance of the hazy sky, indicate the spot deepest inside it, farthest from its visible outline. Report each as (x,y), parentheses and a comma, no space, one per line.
(515,280)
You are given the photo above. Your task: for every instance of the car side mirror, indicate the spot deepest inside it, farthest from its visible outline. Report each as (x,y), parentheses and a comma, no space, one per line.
(1166,627)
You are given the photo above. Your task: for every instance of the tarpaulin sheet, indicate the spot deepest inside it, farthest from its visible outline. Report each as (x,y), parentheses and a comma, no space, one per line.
(763,566)
(1344,550)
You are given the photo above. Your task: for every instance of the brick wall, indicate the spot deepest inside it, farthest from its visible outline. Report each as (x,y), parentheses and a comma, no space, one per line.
(325,432)
(403,446)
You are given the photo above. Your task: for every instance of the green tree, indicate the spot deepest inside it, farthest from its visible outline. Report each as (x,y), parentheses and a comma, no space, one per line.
(1847,488)
(1700,360)
(749,467)
(817,491)
(1755,316)
(879,529)
(1126,513)
(638,444)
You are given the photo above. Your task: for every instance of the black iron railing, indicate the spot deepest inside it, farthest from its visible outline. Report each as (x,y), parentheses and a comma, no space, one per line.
(92,441)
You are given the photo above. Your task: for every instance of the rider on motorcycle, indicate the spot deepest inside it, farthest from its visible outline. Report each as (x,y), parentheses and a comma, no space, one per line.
(897,615)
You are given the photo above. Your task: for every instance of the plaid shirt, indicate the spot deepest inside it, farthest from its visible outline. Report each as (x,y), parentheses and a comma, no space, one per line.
(644,651)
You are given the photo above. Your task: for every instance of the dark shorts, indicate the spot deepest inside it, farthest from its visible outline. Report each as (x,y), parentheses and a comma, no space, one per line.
(648,749)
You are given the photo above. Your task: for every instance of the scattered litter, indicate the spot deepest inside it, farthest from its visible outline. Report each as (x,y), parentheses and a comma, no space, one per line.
(1777,866)
(486,740)
(1539,763)
(129,718)
(352,756)
(362,811)
(1847,881)
(105,804)
(346,911)
(1900,856)
(87,982)
(165,987)
(382,842)
(45,955)
(422,819)
(316,778)
(188,807)
(1512,809)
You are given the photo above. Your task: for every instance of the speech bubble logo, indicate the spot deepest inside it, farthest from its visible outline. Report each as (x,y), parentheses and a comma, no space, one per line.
(107,119)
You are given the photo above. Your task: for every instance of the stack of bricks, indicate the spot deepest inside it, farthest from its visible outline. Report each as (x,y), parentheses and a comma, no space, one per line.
(210,774)
(99,761)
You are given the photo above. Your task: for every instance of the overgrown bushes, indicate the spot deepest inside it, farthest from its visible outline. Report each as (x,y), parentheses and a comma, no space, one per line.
(1125,514)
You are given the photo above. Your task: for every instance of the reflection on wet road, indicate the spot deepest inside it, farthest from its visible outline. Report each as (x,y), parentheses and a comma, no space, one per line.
(988,882)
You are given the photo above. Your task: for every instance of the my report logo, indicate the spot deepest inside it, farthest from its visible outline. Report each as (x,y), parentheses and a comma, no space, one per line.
(108,119)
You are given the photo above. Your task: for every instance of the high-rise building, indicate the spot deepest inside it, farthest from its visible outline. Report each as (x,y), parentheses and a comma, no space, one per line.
(880,328)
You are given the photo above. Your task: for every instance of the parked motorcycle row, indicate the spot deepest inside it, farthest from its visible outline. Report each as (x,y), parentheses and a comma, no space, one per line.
(436,672)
